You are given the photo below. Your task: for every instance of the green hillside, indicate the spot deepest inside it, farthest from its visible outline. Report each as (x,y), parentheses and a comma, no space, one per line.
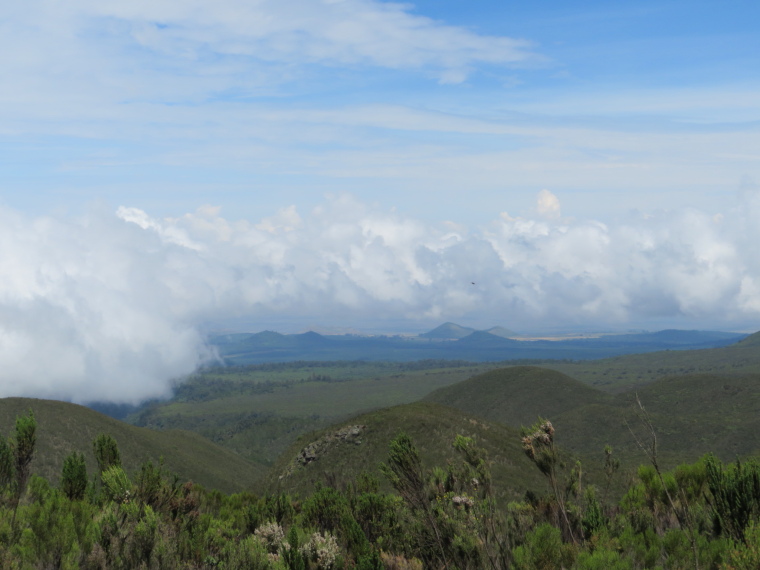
(517,395)
(693,414)
(633,370)
(63,428)
(259,411)
(338,454)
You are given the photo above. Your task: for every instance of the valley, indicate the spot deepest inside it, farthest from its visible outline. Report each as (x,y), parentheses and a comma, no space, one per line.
(281,435)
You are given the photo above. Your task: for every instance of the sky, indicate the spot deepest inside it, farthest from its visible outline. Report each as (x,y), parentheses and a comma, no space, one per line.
(170,167)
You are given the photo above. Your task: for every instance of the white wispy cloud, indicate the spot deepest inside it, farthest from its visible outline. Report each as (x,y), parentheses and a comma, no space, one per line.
(109,305)
(175,89)
(85,56)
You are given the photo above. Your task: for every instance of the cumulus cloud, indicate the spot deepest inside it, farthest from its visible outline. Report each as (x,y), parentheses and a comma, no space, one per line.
(109,306)
(548,205)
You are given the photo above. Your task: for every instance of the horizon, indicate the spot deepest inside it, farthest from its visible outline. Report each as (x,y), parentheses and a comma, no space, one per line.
(370,165)
(234,327)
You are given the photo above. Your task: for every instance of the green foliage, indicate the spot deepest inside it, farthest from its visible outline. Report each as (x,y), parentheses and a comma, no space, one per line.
(593,516)
(379,517)
(440,516)
(50,537)
(106,452)
(116,485)
(292,556)
(602,559)
(370,561)
(246,553)
(736,495)
(544,550)
(159,490)
(65,427)
(404,471)
(24,442)
(745,555)
(7,470)
(74,476)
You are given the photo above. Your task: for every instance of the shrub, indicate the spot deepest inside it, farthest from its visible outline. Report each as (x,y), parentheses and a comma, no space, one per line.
(543,550)
(74,476)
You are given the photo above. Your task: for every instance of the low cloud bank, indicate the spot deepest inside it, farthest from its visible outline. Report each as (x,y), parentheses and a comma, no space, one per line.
(108,306)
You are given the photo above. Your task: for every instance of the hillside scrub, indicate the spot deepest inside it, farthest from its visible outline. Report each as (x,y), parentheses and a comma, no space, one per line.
(444,517)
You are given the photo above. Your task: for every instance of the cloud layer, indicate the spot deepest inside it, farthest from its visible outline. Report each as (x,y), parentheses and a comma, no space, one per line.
(109,306)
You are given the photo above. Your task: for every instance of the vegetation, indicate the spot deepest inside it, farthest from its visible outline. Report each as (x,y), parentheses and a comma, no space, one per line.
(654,471)
(631,371)
(335,456)
(259,411)
(695,413)
(63,429)
(699,515)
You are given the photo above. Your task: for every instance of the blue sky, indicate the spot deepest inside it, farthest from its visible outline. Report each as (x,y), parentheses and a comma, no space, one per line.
(255,106)
(352,163)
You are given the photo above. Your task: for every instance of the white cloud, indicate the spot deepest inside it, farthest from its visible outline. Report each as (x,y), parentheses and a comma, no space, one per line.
(548,205)
(87,58)
(109,306)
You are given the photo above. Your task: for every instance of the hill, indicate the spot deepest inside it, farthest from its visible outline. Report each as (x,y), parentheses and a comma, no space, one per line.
(450,331)
(63,428)
(338,454)
(517,395)
(625,372)
(501,331)
(692,414)
(752,340)
(258,411)
(486,341)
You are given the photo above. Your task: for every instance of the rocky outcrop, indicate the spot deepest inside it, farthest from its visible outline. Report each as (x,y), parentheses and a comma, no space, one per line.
(312,452)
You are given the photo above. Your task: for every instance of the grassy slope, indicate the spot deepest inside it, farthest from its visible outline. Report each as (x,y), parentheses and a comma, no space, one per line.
(517,395)
(432,428)
(693,414)
(623,373)
(259,413)
(63,428)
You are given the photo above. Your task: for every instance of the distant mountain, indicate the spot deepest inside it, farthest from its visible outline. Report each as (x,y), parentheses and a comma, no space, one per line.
(483,340)
(271,339)
(501,331)
(448,331)
(453,331)
(453,342)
